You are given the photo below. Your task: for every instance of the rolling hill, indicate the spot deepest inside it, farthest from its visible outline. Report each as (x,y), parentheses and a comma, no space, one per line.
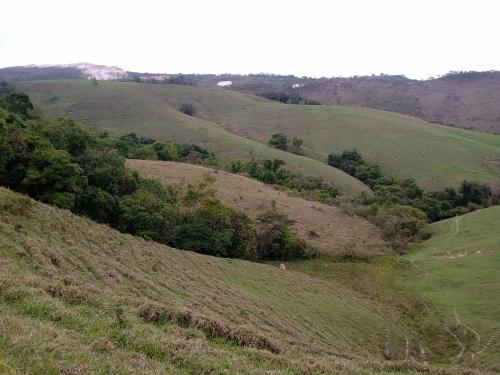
(229,123)
(113,303)
(463,99)
(459,99)
(124,107)
(326,227)
(457,271)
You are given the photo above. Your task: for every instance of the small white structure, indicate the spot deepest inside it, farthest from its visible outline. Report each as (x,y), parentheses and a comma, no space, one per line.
(297,85)
(225,83)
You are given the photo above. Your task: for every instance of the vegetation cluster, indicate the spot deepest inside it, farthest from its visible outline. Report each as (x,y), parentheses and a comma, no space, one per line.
(281,142)
(273,172)
(288,97)
(401,208)
(59,162)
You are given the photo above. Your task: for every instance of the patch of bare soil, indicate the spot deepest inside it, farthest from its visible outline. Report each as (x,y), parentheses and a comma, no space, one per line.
(450,255)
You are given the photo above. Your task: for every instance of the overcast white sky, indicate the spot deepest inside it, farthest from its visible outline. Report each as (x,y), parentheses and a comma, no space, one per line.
(421,38)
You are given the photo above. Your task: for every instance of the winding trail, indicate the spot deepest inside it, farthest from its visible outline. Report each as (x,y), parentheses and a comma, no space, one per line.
(488,343)
(478,336)
(421,269)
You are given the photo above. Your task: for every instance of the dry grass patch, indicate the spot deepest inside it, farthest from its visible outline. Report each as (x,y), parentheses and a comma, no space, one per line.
(326,227)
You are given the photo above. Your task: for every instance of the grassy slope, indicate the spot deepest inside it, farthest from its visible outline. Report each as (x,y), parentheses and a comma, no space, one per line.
(70,292)
(458,271)
(437,156)
(152,111)
(335,231)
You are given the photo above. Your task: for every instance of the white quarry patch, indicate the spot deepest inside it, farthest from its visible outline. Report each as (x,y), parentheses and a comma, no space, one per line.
(224,83)
(99,72)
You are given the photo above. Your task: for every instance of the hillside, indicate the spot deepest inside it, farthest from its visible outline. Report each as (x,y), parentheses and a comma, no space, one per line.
(460,99)
(152,111)
(467,99)
(116,303)
(436,156)
(326,227)
(457,271)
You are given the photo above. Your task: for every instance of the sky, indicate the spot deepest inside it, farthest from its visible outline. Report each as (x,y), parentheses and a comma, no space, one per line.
(315,38)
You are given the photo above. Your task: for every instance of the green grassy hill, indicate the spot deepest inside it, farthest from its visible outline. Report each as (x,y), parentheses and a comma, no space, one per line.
(152,111)
(436,156)
(78,297)
(457,270)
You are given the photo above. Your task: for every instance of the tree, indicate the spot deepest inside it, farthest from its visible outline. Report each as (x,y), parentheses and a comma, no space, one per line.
(279,141)
(273,239)
(143,213)
(52,177)
(473,192)
(18,103)
(4,88)
(66,134)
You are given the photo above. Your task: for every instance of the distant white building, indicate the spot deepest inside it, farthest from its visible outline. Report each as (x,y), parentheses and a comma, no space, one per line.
(297,85)
(225,83)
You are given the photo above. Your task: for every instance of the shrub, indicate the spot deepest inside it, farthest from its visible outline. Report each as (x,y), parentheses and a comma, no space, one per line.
(188,109)
(473,192)
(279,141)
(402,225)
(296,146)
(18,103)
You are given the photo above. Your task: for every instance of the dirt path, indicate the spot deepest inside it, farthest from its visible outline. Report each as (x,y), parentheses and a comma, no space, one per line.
(478,336)
(488,343)
(421,269)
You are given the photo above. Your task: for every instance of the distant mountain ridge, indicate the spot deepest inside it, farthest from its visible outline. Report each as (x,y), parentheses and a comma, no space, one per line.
(462,99)
(63,71)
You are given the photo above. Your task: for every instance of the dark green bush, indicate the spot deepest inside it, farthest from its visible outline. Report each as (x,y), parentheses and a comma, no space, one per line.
(188,109)
(279,141)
